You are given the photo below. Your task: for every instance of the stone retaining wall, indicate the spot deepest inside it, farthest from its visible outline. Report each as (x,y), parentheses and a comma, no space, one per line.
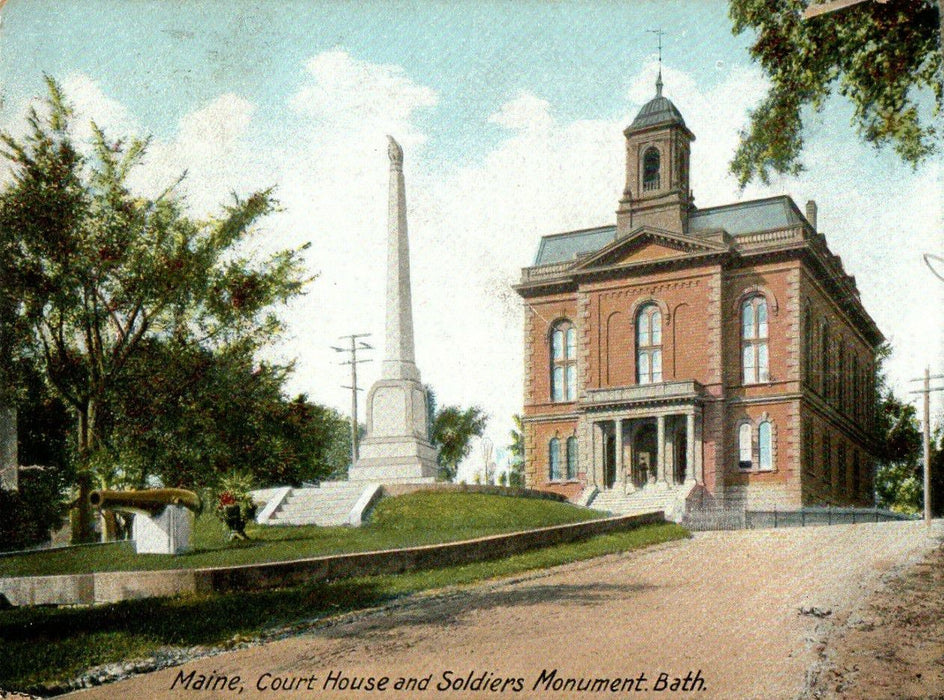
(114,586)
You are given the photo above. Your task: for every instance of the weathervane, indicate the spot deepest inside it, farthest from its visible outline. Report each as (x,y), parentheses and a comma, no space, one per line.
(658,33)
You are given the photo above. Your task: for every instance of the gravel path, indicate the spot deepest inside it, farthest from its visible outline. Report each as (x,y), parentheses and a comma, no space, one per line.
(724,615)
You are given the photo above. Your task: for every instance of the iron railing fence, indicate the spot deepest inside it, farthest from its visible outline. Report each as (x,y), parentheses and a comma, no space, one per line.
(741,519)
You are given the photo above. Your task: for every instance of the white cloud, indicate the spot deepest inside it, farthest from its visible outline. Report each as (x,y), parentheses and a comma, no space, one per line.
(211,145)
(89,103)
(525,113)
(351,96)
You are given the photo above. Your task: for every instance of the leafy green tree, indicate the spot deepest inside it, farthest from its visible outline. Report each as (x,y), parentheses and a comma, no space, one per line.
(453,430)
(897,480)
(516,451)
(884,57)
(91,272)
(937,475)
(210,413)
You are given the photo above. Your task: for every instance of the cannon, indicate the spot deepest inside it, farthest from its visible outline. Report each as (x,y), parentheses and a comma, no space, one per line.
(147,501)
(162,524)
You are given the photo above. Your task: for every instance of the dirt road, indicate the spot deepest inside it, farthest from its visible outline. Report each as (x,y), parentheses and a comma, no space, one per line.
(718,616)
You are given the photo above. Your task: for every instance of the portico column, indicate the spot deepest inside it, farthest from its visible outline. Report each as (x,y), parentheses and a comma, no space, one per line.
(699,449)
(690,448)
(596,455)
(619,454)
(660,449)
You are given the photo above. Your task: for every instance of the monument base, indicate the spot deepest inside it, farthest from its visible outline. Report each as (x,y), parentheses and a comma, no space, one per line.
(392,460)
(165,533)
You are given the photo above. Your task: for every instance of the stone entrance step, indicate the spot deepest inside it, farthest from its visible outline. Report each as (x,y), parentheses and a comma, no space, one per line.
(650,498)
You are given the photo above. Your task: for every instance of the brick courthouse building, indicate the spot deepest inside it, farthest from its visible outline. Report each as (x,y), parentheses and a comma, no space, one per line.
(686,355)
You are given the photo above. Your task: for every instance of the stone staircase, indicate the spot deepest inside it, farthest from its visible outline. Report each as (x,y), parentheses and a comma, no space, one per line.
(670,500)
(330,503)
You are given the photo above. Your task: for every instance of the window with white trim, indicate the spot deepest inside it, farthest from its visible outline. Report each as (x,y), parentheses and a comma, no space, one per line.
(765,446)
(564,362)
(745,446)
(649,345)
(754,359)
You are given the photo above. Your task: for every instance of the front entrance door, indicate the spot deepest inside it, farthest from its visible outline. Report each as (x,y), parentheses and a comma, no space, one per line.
(644,455)
(609,459)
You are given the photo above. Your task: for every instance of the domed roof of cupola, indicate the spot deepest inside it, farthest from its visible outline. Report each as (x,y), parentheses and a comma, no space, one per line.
(659,110)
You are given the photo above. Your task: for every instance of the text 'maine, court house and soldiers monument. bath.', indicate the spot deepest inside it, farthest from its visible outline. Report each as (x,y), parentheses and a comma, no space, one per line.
(684,357)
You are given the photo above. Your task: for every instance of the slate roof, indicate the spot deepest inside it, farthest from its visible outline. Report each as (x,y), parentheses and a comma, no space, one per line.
(572,244)
(658,110)
(747,217)
(740,218)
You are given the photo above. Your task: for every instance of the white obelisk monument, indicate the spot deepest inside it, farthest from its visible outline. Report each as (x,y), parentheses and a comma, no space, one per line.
(397,445)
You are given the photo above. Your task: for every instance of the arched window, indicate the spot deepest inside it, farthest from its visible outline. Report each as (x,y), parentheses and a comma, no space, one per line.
(745,446)
(765,446)
(754,360)
(826,382)
(649,345)
(572,457)
(651,162)
(564,362)
(553,451)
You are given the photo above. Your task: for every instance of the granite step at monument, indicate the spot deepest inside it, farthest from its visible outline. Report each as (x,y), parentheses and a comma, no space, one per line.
(328,504)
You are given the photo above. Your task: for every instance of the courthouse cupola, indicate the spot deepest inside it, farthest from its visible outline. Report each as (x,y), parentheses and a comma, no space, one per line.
(658,149)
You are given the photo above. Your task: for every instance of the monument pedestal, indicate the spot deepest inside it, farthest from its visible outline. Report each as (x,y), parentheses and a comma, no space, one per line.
(397,446)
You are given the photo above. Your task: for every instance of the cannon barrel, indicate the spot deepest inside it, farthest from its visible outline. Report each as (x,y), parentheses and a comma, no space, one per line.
(150,501)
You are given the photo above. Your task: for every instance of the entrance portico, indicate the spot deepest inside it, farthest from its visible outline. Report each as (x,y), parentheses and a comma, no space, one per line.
(645,436)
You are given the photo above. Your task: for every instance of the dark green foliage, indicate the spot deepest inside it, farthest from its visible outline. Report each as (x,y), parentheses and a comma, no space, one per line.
(453,430)
(208,413)
(898,483)
(884,57)
(27,515)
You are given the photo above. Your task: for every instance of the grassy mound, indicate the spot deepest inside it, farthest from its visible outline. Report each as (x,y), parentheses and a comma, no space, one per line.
(405,521)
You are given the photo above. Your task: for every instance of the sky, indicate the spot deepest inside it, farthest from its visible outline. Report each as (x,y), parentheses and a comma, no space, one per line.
(510,116)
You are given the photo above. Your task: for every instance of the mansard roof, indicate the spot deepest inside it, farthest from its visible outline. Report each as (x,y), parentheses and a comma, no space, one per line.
(753,216)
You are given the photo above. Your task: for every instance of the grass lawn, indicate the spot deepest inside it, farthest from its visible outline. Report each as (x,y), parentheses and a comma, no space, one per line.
(414,519)
(48,645)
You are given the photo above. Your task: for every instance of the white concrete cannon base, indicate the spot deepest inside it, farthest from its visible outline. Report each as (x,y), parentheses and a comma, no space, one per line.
(165,533)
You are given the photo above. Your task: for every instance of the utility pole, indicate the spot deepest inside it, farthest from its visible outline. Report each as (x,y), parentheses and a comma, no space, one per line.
(355,345)
(927,435)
